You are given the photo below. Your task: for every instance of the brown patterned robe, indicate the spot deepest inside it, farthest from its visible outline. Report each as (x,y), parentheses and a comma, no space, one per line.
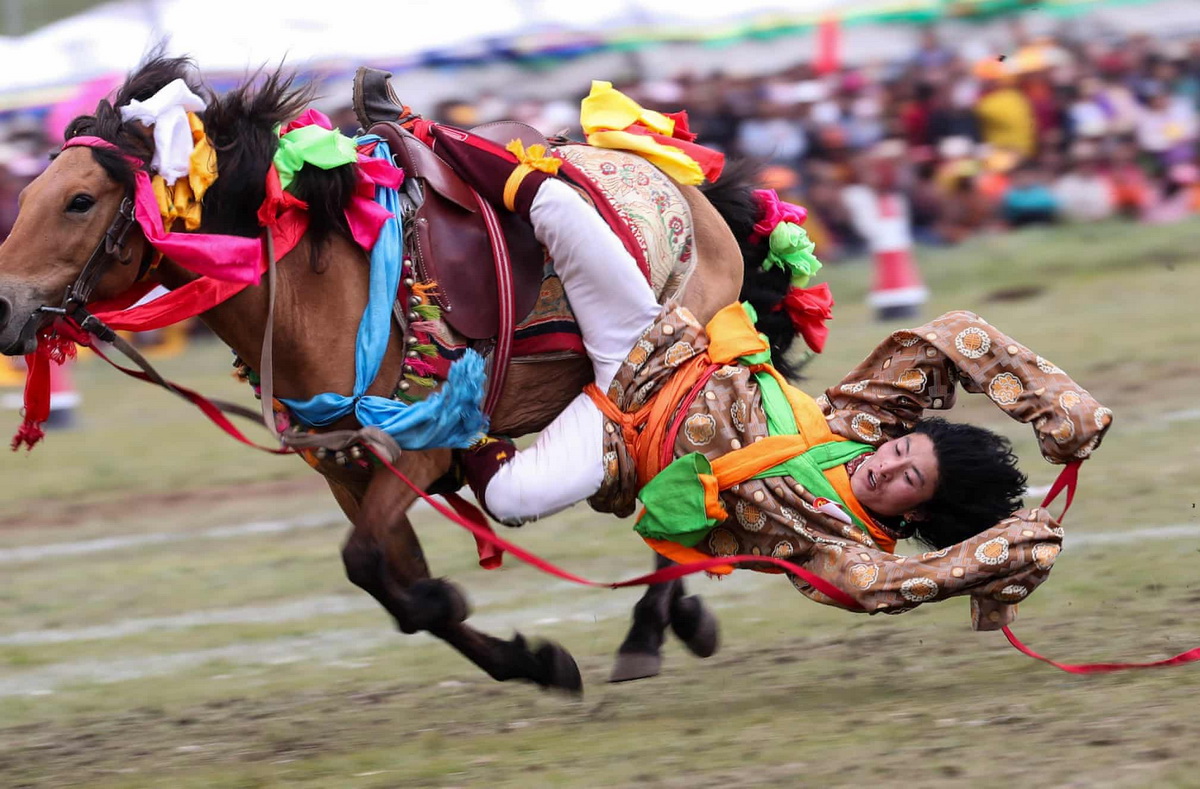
(881,399)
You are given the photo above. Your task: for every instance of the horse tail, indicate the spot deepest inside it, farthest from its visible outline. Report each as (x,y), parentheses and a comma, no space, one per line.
(733,197)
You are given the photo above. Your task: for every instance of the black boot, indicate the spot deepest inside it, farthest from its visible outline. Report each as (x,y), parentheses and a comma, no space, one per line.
(481,462)
(375,101)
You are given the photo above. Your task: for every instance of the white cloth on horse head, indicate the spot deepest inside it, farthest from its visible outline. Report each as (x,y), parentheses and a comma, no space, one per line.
(166,113)
(612,302)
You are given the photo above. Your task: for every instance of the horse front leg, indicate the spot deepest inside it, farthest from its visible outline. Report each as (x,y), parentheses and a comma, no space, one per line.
(640,654)
(383,556)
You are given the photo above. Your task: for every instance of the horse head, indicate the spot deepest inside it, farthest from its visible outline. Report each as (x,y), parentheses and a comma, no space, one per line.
(73,241)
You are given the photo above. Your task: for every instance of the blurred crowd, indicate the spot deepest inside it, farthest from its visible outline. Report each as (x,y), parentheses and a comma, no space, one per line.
(1052,130)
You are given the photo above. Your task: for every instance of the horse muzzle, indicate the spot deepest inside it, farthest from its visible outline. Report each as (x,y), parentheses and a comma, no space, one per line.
(19,337)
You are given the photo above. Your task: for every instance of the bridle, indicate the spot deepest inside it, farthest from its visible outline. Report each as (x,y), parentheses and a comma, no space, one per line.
(109,250)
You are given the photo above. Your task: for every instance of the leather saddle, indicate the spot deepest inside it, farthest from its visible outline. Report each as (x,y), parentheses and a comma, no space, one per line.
(451,244)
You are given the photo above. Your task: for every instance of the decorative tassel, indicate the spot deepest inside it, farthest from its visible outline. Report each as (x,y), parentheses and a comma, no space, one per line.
(420,367)
(430,312)
(423,290)
(28,434)
(428,383)
(425,349)
(424,327)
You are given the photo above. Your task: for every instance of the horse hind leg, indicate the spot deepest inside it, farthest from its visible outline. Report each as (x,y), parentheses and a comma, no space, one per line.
(640,654)
(383,556)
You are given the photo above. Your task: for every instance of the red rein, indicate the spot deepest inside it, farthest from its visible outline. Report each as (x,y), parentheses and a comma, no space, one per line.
(491,546)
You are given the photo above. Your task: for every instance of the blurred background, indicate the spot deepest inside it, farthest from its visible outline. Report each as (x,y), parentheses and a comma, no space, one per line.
(173,609)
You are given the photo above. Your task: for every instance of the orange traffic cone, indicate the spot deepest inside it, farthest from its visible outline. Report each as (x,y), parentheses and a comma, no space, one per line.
(897,291)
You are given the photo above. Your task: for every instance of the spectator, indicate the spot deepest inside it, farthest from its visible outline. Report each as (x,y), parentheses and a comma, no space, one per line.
(1029,199)
(1083,193)
(1005,115)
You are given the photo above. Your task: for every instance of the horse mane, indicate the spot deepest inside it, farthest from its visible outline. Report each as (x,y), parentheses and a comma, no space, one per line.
(241,125)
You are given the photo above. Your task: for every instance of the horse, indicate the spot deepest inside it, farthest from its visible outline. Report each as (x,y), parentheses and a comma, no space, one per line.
(321,289)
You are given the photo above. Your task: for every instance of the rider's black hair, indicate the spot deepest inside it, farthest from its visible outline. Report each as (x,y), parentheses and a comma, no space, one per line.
(979,483)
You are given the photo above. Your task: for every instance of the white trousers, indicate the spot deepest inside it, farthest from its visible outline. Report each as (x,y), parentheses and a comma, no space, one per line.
(613,305)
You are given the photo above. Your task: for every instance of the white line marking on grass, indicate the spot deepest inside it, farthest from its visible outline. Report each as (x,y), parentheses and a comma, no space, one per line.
(32,553)
(1134,535)
(306,608)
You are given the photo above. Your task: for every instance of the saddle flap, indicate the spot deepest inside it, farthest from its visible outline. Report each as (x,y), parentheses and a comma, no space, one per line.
(419,161)
(451,245)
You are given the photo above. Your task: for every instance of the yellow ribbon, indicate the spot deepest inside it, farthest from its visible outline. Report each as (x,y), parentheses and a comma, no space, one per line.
(606,113)
(535,158)
(183,200)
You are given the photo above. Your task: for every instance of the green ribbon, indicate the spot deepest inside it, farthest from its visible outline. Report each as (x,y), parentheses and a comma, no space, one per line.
(324,148)
(792,250)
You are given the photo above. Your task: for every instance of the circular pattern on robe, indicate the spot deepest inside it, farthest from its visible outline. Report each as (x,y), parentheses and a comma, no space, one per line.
(1044,555)
(611,467)
(1012,593)
(918,590)
(728,371)
(864,575)
(1087,449)
(905,339)
(912,379)
(1069,400)
(793,518)
(616,393)
(783,550)
(751,517)
(700,429)
(822,402)
(944,552)
(640,353)
(1047,367)
(855,387)
(737,415)
(1005,388)
(993,552)
(668,329)
(958,572)
(1103,417)
(679,353)
(1064,432)
(866,427)
(973,342)
(722,543)
(759,496)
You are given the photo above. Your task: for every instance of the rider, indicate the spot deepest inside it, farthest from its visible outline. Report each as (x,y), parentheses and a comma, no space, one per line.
(754,466)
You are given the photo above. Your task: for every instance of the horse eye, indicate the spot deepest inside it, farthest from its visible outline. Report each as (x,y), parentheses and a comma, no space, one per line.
(81,204)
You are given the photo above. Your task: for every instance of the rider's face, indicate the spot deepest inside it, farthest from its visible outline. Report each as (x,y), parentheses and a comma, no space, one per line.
(899,477)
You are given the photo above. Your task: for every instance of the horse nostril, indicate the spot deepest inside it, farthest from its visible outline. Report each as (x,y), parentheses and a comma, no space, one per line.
(5,311)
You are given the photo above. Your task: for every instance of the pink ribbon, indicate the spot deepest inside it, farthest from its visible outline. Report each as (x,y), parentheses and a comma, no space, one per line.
(223,257)
(772,211)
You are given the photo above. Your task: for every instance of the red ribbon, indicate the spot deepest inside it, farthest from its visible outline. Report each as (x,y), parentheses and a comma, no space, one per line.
(809,309)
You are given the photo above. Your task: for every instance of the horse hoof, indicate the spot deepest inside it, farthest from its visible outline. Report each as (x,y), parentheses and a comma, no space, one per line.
(559,671)
(635,665)
(695,626)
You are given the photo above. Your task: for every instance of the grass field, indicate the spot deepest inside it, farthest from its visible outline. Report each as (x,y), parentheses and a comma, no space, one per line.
(173,610)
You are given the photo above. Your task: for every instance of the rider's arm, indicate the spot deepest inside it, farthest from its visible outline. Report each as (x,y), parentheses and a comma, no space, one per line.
(918,369)
(998,568)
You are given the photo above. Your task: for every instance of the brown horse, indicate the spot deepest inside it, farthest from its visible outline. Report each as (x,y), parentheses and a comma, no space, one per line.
(321,292)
